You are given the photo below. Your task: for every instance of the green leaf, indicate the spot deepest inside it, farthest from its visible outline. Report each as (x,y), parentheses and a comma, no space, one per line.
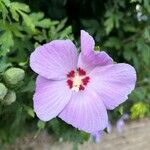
(109,24)
(117,18)
(128,52)
(129,28)
(37,16)
(67,31)
(4,10)
(46,23)
(113,42)
(6,42)
(28,22)
(29,87)
(3,91)
(139,110)
(138,94)
(146,34)
(144,49)
(15,28)
(17,6)
(39,20)
(30,111)
(6,2)
(4,65)
(14,14)
(61,25)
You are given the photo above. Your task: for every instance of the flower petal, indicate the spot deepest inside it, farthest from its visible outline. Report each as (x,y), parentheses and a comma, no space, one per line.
(113,83)
(85,112)
(50,98)
(55,59)
(97,136)
(87,43)
(89,58)
(120,125)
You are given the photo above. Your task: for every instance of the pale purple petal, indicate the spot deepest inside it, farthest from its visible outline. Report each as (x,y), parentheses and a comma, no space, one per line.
(97,136)
(50,98)
(87,43)
(113,83)
(109,127)
(120,125)
(125,116)
(89,58)
(85,112)
(55,59)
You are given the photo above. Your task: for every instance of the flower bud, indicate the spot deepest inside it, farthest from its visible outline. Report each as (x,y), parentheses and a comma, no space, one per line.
(3,91)
(14,75)
(9,98)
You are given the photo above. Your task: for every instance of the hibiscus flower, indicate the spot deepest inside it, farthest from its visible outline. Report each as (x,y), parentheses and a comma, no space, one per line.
(79,88)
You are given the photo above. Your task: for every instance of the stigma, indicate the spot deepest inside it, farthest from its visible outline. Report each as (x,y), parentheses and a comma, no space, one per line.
(77,80)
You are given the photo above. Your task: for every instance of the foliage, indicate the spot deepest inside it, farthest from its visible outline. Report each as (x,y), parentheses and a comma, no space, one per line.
(21,31)
(121,27)
(139,110)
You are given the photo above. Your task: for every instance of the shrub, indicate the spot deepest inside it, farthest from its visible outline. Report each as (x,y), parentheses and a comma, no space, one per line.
(120,27)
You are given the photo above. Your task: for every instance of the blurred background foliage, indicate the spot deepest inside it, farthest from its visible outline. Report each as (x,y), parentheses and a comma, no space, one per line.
(120,27)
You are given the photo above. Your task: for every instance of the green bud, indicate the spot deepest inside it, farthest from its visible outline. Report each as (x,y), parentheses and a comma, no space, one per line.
(14,75)
(97,48)
(41,124)
(3,91)
(9,98)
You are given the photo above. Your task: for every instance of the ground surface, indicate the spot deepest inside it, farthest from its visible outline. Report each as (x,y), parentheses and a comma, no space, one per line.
(136,136)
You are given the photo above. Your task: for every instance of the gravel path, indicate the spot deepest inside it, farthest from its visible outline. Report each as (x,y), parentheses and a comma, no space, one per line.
(136,136)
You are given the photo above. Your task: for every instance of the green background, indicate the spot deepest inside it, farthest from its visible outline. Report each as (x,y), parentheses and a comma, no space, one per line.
(120,27)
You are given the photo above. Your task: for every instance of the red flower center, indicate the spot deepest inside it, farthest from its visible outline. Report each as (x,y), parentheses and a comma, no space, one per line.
(77,80)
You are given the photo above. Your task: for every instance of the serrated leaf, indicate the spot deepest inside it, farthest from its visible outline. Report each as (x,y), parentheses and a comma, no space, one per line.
(109,24)
(20,7)
(37,16)
(44,23)
(67,31)
(39,20)
(147,33)
(6,2)
(14,14)
(6,42)
(28,22)
(61,25)
(4,10)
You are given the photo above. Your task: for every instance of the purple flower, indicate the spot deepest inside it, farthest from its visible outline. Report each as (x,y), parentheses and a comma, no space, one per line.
(121,123)
(109,127)
(79,89)
(97,136)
